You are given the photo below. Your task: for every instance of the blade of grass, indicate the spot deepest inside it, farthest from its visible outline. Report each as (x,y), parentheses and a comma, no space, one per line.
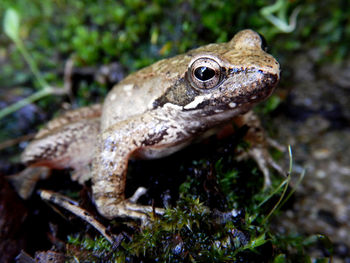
(18,105)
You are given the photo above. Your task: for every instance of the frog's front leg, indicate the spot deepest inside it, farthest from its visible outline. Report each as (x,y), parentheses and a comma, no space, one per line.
(259,145)
(116,145)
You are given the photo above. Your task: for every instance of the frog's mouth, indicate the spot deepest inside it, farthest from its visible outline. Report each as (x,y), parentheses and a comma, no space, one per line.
(253,86)
(246,88)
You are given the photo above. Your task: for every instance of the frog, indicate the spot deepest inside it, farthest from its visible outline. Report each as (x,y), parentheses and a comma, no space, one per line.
(155,112)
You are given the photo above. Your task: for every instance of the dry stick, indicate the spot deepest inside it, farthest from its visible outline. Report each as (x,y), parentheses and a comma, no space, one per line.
(11,142)
(67,78)
(72,206)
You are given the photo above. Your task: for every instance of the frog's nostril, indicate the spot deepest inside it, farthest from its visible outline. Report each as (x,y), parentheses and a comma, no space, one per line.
(271,79)
(263,42)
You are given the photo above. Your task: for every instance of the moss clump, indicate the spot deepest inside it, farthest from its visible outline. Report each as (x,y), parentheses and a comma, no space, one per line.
(200,230)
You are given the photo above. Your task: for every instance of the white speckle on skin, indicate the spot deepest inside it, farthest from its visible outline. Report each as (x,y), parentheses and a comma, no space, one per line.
(108,188)
(232,105)
(128,89)
(113,97)
(108,157)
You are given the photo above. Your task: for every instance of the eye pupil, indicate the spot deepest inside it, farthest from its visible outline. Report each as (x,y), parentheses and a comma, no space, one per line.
(204,73)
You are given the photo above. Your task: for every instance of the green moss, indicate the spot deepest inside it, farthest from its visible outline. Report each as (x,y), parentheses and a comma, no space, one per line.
(197,231)
(192,233)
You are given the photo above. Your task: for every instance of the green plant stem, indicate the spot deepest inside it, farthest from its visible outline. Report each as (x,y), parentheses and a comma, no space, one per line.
(31,63)
(46,89)
(279,201)
(34,97)
(281,20)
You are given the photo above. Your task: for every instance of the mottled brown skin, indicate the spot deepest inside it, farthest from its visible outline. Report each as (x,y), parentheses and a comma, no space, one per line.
(68,141)
(159,110)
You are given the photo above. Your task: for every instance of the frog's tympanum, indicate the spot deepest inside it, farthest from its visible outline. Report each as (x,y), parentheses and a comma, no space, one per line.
(155,112)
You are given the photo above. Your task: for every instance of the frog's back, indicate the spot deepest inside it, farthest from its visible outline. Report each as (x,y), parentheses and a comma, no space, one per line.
(144,90)
(133,96)
(137,93)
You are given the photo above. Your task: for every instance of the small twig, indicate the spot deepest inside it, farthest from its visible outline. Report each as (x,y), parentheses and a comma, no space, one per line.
(73,207)
(68,72)
(11,142)
(276,145)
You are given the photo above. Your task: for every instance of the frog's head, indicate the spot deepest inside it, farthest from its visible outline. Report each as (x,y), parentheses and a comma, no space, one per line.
(232,77)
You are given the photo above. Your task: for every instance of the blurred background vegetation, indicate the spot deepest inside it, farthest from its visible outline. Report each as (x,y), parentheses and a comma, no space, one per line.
(134,33)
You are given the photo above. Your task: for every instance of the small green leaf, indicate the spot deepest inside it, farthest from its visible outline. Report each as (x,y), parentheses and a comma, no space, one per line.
(257,242)
(281,258)
(271,104)
(11,24)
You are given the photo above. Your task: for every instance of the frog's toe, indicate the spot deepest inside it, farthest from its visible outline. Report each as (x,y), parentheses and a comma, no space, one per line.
(276,145)
(128,209)
(138,193)
(141,211)
(135,209)
(264,161)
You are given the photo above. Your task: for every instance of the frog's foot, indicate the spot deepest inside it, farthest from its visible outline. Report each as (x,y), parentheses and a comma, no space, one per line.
(264,160)
(74,208)
(276,145)
(25,181)
(129,208)
(259,142)
(141,212)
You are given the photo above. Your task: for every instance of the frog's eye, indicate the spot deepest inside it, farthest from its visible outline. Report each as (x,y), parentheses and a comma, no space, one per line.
(205,73)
